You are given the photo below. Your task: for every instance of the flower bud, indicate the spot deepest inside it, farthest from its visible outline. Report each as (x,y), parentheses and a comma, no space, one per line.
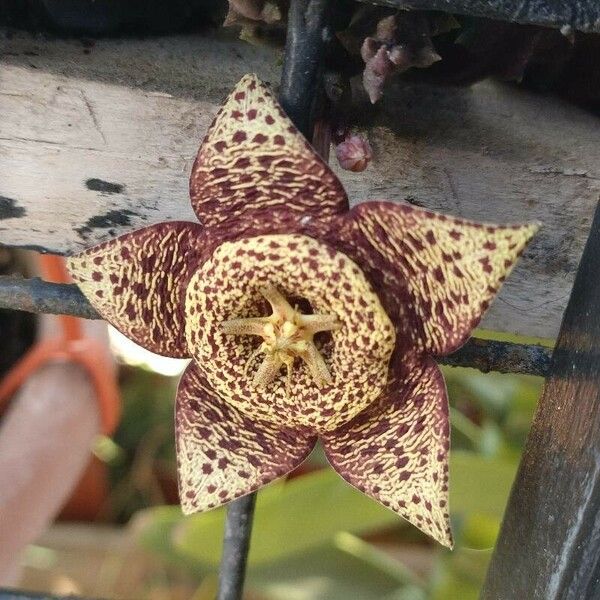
(354,153)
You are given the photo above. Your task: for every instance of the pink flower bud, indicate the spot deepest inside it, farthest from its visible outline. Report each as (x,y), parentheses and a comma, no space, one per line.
(354,153)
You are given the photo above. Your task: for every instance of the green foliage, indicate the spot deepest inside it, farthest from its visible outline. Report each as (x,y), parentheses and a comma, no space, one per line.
(479,485)
(287,512)
(141,455)
(284,522)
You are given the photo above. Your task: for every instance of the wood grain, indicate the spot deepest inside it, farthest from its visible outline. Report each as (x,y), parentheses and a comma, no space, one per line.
(93,145)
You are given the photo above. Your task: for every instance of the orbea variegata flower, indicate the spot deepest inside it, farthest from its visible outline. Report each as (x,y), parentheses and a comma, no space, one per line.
(305,319)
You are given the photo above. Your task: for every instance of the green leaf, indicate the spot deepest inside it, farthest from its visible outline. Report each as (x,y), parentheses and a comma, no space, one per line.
(308,511)
(479,485)
(379,559)
(290,517)
(323,573)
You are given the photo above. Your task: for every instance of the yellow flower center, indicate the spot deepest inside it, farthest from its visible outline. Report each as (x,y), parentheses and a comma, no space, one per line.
(287,335)
(275,367)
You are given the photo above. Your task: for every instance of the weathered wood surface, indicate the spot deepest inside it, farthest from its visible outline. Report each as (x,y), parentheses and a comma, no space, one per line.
(549,545)
(93,145)
(583,15)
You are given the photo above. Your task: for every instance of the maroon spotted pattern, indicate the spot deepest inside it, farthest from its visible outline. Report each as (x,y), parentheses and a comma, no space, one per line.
(137,283)
(397,450)
(254,158)
(436,273)
(222,453)
(357,354)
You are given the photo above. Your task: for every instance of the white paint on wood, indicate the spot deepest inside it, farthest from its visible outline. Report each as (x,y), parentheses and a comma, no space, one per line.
(132,113)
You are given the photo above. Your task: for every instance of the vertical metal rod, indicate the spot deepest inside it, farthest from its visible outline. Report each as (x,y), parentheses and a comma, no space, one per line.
(299,86)
(236,544)
(549,544)
(303,59)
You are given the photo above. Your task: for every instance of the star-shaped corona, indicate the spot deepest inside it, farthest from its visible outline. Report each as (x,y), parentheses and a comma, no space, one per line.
(305,320)
(287,335)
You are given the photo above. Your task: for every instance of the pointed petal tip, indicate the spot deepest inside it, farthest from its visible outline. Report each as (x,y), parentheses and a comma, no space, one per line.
(186,507)
(193,502)
(444,538)
(396,451)
(533,227)
(441,534)
(249,82)
(222,454)
(522,235)
(72,263)
(114,277)
(249,78)
(253,158)
(529,229)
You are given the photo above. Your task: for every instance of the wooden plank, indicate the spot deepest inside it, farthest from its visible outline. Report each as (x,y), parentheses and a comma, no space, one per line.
(549,545)
(93,145)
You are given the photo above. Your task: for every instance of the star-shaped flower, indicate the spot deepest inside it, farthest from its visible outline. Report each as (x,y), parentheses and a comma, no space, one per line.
(305,319)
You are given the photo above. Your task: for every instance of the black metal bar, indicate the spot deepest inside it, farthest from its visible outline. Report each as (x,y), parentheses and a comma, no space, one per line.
(502,357)
(302,62)
(236,544)
(549,544)
(299,85)
(38,296)
(582,15)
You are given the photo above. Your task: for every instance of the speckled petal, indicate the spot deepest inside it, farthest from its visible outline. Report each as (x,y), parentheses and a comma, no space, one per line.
(137,283)
(228,286)
(223,454)
(397,451)
(254,159)
(445,271)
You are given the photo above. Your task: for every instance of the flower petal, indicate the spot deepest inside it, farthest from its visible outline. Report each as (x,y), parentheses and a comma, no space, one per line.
(447,269)
(137,283)
(254,159)
(397,451)
(223,454)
